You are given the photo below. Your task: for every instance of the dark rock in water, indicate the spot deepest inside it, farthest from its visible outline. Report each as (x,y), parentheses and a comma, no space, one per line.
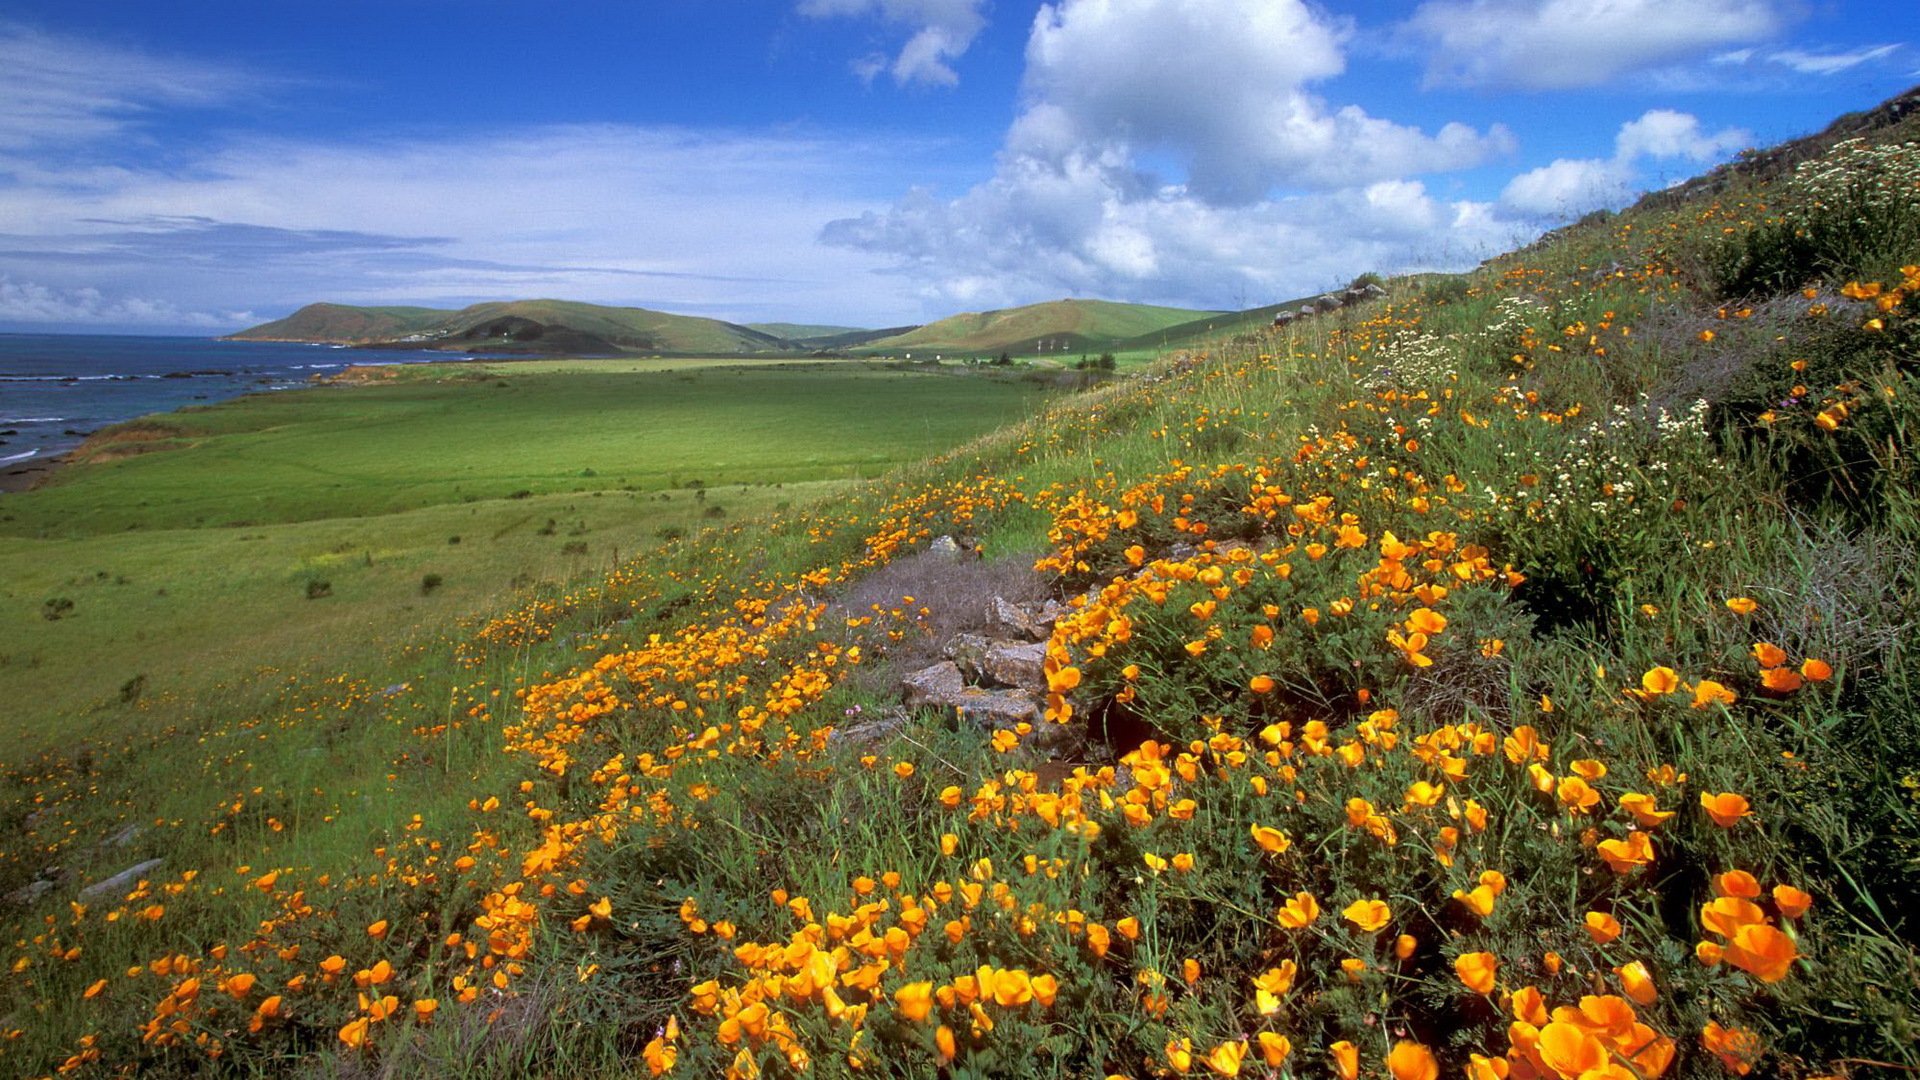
(75,434)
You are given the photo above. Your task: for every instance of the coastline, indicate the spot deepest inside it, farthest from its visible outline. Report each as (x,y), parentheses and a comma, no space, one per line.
(29,474)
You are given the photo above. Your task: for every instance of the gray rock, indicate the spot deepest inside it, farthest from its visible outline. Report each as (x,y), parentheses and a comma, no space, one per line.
(121,881)
(969,653)
(940,685)
(1329,302)
(1305,312)
(873,731)
(127,835)
(1006,619)
(996,709)
(27,894)
(1017,665)
(944,546)
(1373,291)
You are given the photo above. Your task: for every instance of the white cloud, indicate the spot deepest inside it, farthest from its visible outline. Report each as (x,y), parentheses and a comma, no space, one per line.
(1566,44)
(942,32)
(1570,187)
(1664,133)
(61,90)
(1123,73)
(30,302)
(1809,63)
(1275,192)
(724,224)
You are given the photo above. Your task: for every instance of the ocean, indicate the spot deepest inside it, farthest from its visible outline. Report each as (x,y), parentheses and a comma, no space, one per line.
(56,389)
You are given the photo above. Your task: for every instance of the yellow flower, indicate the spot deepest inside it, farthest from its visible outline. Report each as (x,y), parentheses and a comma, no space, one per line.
(1368,915)
(914,1001)
(1299,912)
(1476,971)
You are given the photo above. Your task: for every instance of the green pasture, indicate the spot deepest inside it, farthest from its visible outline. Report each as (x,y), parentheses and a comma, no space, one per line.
(406,507)
(515,430)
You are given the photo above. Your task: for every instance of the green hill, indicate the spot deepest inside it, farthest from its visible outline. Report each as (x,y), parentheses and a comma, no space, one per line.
(800,331)
(537,326)
(345,324)
(1212,326)
(1055,326)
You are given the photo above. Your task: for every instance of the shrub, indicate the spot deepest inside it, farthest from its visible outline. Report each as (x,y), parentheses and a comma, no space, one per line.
(317,588)
(56,608)
(430,582)
(1853,212)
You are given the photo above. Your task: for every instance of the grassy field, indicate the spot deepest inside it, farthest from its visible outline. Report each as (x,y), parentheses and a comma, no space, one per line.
(1512,678)
(433,437)
(439,496)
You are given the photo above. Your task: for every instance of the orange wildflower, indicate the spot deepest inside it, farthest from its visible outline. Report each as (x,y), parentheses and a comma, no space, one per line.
(1476,971)
(1368,915)
(1737,1048)
(1299,912)
(1762,951)
(1346,1059)
(1602,927)
(1792,902)
(1412,1061)
(1726,809)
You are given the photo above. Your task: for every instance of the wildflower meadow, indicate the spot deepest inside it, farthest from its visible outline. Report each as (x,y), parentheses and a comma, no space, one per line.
(1509,678)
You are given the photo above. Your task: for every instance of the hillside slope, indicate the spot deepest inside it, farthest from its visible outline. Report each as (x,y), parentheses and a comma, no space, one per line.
(1058,326)
(1516,681)
(516,325)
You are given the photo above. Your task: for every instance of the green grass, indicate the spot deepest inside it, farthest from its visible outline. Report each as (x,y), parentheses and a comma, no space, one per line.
(188,568)
(439,438)
(621,787)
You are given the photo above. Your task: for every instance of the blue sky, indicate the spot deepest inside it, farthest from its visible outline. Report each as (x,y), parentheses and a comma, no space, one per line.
(200,166)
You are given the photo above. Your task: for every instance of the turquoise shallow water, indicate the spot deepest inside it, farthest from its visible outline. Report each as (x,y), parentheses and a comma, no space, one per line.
(55,389)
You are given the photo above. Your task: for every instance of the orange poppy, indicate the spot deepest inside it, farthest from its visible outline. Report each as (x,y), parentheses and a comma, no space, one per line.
(1412,1061)
(1346,1059)
(1476,971)
(1637,983)
(1726,808)
(1762,951)
(1792,902)
(1602,927)
(1368,915)
(1631,853)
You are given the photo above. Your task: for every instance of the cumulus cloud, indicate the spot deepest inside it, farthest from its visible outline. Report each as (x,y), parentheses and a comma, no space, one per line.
(62,90)
(1122,73)
(942,30)
(714,223)
(27,302)
(1567,44)
(1572,186)
(1272,189)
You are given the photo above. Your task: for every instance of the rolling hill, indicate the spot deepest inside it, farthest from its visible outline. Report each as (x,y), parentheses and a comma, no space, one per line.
(1055,326)
(532,326)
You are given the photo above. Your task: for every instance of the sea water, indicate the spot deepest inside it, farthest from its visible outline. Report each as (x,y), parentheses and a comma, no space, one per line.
(56,389)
